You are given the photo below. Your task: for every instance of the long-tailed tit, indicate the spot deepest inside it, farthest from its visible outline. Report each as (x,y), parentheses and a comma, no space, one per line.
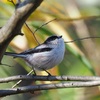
(44,56)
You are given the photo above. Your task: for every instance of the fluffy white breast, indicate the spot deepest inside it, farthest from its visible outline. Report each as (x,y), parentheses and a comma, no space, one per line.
(48,59)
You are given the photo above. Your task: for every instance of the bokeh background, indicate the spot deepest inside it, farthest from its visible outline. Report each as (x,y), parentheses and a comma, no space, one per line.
(75,19)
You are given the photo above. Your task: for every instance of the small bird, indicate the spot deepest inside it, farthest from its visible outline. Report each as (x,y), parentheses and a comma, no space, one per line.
(44,56)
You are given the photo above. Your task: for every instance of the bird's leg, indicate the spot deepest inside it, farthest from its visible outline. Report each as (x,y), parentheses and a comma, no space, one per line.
(34,72)
(48,73)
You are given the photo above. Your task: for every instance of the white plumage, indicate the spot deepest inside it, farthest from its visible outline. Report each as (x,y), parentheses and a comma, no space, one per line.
(44,56)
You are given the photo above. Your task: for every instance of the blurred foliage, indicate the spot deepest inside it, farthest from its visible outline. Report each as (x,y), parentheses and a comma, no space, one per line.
(75,19)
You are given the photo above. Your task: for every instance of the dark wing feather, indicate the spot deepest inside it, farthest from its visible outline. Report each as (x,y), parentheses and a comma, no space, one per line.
(32,51)
(37,49)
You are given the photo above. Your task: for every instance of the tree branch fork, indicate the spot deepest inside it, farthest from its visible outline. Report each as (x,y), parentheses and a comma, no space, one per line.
(65,82)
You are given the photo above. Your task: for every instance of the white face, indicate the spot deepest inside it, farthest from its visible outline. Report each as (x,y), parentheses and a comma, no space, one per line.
(61,41)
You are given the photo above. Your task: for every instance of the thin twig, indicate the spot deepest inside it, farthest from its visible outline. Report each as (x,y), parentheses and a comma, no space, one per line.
(84,38)
(32,33)
(38,29)
(21,79)
(43,25)
(12,91)
(79,18)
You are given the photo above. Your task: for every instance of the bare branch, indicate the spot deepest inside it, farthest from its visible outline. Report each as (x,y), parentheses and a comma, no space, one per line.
(83,81)
(15,23)
(50,78)
(25,89)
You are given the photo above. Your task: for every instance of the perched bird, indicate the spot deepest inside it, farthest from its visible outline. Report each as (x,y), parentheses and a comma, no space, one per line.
(44,56)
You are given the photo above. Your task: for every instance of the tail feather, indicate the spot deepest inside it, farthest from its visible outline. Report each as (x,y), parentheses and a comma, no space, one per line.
(14,54)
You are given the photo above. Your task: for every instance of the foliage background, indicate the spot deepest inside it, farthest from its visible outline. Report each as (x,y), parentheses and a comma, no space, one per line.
(75,19)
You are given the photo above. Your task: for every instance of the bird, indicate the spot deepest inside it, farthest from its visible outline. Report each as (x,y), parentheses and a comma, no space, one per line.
(44,56)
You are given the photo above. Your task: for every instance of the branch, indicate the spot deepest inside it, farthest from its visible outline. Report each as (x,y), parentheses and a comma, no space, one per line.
(84,81)
(25,89)
(50,78)
(15,23)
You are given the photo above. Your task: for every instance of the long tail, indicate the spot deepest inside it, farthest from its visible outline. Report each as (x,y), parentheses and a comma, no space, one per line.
(14,54)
